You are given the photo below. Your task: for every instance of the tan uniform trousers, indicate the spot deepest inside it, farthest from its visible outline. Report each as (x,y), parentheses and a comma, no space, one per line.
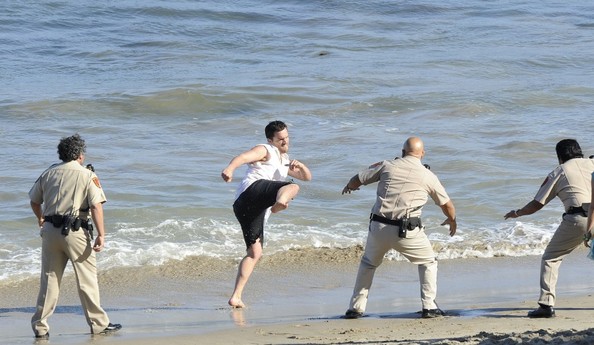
(568,236)
(57,249)
(415,247)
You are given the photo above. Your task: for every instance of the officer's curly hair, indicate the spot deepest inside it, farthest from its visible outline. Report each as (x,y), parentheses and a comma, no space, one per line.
(568,149)
(273,127)
(71,148)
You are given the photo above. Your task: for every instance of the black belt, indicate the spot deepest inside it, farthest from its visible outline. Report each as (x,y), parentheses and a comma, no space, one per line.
(384,220)
(58,220)
(577,210)
(412,222)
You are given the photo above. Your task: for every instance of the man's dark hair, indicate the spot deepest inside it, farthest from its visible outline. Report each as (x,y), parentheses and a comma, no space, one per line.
(71,148)
(568,149)
(273,127)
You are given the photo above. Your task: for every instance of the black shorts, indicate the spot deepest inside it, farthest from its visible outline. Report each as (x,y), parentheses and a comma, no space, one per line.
(250,208)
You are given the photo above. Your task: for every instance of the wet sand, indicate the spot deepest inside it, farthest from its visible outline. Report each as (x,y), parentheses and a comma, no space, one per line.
(299,297)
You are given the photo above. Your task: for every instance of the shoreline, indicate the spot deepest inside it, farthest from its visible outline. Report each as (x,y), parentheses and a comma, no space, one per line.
(295,301)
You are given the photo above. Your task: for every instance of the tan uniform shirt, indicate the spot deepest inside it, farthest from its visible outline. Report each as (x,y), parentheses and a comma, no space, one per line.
(404,187)
(571,182)
(66,188)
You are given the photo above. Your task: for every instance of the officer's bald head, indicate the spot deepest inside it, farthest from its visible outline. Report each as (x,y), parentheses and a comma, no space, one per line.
(413,146)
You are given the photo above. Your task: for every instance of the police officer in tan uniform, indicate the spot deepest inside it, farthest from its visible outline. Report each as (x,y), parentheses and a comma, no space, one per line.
(404,186)
(61,199)
(570,181)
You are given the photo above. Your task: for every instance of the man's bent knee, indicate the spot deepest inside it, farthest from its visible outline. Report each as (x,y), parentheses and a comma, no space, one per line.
(290,188)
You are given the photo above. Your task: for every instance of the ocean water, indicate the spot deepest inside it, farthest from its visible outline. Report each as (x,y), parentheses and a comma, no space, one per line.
(167,92)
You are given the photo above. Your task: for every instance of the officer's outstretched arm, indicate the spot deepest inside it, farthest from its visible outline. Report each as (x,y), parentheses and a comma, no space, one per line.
(530,208)
(353,184)
(449,211)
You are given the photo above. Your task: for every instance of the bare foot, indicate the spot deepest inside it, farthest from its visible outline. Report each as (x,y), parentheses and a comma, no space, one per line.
(236,303)
(278,206)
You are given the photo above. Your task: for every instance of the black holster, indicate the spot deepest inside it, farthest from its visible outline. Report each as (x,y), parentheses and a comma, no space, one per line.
(71,223)
(86,224)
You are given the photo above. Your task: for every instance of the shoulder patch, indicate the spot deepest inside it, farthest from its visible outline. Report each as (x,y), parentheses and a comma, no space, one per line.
(374,165)
(96,182)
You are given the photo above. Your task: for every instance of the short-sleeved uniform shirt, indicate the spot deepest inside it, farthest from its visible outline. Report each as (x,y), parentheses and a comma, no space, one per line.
(570,181)
(67,188)
(404,187)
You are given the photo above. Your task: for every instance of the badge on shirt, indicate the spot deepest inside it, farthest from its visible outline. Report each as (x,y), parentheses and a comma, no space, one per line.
(96,182)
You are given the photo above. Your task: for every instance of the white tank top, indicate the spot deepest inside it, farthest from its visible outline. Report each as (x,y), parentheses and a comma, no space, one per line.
(276,168)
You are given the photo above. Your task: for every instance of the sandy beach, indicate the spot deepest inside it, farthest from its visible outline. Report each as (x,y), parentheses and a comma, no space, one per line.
(289,302)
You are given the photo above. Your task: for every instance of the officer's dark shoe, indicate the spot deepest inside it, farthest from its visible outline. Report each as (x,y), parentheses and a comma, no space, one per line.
(353,314)
(432,313)
(112,327)
(544,311)
(42,336)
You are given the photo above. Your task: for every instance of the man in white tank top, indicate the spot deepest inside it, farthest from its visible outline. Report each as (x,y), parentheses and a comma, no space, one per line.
(262,191)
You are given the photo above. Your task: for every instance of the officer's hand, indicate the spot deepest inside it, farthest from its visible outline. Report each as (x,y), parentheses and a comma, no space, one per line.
(348,190)
(587,238)
(99,242)
(511,214)
(453,225)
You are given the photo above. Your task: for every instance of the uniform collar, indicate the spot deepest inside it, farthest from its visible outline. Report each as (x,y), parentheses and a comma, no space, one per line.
(412,159)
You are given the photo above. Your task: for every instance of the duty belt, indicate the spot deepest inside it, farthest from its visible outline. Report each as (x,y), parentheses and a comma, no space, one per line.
(58,221)
(577,210)
(411,223)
